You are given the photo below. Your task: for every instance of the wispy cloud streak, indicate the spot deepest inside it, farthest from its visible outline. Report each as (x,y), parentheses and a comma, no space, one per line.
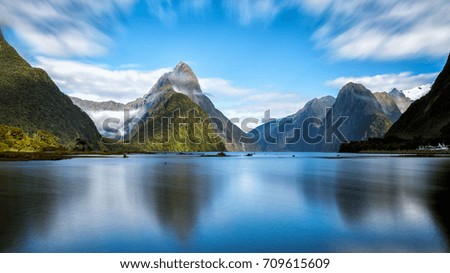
(63,27)
(386,82)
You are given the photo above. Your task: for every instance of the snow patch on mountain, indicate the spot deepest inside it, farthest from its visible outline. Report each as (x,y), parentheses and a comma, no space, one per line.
(417,92)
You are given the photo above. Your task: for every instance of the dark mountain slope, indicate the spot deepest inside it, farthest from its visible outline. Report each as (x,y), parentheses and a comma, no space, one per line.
(30,100)
(279,135)
(365,116)
(428,117)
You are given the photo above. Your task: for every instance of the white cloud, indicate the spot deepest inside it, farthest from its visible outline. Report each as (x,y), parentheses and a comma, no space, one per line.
(248,10)
(94,82)
(167,10)
(386,82)
(385,30)
(364,29)
(63,27)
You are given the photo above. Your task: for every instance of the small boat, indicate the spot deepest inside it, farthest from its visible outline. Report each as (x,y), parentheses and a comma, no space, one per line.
(440,147)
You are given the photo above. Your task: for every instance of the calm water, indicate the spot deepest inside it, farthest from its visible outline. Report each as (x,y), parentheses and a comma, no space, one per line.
(266,203)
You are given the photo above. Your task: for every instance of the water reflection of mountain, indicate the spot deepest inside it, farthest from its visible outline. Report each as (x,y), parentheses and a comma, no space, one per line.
(405,207)
(439,198)
(398,198)
(25,203)
(178,192)
(375,194)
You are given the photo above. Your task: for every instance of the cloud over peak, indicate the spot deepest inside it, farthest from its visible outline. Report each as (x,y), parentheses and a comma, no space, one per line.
(99,83)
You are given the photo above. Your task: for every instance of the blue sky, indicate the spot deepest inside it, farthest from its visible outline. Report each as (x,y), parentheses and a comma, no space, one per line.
(250,56)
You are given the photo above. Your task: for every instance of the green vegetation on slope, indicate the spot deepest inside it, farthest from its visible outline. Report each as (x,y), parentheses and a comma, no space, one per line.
(30,100)
(13,139)
(177,124)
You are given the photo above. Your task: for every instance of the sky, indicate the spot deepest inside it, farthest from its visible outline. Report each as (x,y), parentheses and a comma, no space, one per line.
(249,56)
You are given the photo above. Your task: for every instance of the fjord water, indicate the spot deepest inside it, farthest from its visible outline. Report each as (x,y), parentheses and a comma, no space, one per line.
(188,203)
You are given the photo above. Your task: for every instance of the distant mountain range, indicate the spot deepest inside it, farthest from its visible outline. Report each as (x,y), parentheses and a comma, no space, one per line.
(285,135)
(30,100)
(368,115)
(425,122)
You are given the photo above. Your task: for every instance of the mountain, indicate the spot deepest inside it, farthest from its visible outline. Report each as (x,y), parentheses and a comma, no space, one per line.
(356,112)
(93,106)
(276,135)
(120,114)
(417,92)
(428,117)
(365,116)
(176,123)
(401,100)
(181,80)
(388,105)
(30,100)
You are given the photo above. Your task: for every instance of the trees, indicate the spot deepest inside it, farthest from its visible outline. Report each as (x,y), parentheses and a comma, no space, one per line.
(14,139)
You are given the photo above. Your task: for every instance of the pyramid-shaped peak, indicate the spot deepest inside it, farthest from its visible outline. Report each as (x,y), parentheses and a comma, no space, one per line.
(184,68)
(396,92)
(184,79)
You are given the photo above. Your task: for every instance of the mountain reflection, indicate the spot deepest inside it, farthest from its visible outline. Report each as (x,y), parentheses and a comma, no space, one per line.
(439,199)
(352,199)
(18,211)
(170,203)
(177,192)
(378,198)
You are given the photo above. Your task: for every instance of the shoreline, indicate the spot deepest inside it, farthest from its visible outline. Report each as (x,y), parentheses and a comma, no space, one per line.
(32,156)
(62,155)
(408,153)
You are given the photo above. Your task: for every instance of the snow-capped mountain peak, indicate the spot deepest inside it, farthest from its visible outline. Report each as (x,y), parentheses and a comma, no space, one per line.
(417,92)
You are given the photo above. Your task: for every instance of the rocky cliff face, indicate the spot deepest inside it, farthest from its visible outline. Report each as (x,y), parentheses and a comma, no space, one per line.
(282,134)
(401,100)
(365,116)
(388,105)
(361,107)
